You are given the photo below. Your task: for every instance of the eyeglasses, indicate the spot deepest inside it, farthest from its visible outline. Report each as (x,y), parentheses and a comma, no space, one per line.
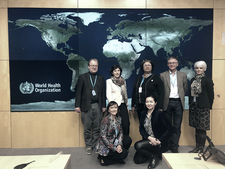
(94,65)
(147,65)
(170,63)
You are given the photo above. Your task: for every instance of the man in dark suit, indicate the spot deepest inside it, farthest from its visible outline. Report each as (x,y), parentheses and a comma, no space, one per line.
(90,100)
(175,86)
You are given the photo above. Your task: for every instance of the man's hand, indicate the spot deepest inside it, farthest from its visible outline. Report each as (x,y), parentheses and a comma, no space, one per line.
(132,109)
(77,109)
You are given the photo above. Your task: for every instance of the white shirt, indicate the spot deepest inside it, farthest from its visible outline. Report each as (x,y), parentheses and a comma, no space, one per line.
(173,85)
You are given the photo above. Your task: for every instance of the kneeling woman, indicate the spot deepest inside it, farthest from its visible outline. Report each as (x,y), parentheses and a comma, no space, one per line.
(156,131)
(112,145)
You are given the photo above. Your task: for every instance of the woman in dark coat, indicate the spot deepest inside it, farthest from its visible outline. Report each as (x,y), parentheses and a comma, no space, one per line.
(201,96)
(146,85)
(156,131)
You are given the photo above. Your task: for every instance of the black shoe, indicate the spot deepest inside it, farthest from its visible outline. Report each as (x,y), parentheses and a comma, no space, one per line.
(121,162)
(154,162)
(197,149)
(174,150)
(102,161)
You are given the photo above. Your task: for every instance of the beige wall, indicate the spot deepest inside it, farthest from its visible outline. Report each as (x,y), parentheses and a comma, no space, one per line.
(64,129)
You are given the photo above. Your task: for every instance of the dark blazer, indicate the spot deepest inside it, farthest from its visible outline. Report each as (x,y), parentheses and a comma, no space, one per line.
(181,84)
(205,99)
(161,127)
(84,94)
(153,86)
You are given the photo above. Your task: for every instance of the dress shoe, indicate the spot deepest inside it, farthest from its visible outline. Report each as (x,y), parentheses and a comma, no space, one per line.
(101,160)
(121,162)
(88,151)
(174,150)
(154,162)
(197,149)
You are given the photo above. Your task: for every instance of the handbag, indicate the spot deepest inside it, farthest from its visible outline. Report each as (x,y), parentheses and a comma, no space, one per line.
(211,150)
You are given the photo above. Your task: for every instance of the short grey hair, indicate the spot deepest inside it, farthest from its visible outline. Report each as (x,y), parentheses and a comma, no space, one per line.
(200,63)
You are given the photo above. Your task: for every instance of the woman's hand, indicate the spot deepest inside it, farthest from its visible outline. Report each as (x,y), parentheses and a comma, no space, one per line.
(158,142)
(153,141)
(119,149)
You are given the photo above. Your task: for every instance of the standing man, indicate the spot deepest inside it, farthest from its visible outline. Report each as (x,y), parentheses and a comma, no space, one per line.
(175,86)
(90,100)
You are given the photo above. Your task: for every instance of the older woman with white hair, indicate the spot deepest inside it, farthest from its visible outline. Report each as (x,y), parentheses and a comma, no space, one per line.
(201,96)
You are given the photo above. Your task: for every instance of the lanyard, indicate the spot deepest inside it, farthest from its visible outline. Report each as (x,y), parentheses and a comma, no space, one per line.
(93,85)
(175,79)
(115,128)
(143,78)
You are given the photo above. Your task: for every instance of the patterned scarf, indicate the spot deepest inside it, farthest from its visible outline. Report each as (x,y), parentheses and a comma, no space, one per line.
(196,84)
(120,82)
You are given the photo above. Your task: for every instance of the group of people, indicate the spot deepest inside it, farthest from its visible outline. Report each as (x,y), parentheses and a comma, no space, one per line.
(159,102)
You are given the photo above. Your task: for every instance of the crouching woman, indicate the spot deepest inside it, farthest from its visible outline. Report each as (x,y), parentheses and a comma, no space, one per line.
(156,131)
(112,145)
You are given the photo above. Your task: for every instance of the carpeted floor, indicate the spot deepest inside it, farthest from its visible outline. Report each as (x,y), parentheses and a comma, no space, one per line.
(79,159)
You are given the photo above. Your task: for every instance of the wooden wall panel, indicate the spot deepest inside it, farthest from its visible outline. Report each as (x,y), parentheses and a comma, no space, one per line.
(219,83)
(43,3)
(5,130)
(219,4)
(81,129)
(4,47)
(134,128)
(45,129)
(218,33)
(4,86)
(111,4)
(218,127)
(3,4)
(180,4)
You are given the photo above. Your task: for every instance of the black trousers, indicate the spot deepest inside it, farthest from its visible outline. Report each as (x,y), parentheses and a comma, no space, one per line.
(145,151)
(114,157)
(123,112)
(174,114)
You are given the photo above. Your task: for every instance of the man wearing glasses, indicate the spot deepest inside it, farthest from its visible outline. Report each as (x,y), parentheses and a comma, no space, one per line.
(175,86)
(90,100)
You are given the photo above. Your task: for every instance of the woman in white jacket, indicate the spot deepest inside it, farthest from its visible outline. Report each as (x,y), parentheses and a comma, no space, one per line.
(116,90)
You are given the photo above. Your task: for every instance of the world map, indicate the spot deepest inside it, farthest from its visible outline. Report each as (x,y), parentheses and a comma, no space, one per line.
(123,37)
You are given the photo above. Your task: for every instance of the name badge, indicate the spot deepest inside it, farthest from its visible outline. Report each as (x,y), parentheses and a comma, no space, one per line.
(140,90)
(116,142)
(93,93)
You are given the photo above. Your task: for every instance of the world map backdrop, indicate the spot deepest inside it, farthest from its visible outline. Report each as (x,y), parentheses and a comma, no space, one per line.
(50,48)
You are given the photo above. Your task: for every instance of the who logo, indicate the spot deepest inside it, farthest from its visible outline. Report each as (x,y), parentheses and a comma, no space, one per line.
(26,88)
